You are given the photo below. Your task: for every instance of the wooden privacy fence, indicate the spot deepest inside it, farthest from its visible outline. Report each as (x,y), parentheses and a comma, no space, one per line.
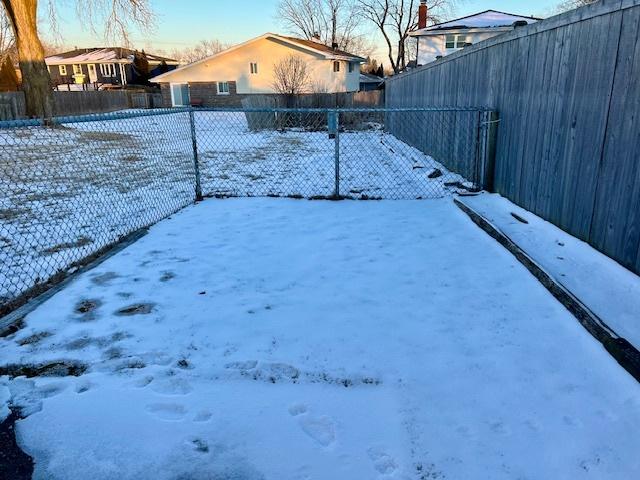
(271,120)
(12,106)
(568,93)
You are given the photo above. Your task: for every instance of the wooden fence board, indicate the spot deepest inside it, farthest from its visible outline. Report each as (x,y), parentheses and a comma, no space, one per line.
(568,93)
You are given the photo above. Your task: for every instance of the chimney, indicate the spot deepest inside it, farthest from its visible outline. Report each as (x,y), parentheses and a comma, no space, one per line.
(334,46)
(422,14)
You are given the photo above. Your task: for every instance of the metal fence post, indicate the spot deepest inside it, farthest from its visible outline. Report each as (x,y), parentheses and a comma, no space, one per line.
(489,131)
(196,161)
(333,118)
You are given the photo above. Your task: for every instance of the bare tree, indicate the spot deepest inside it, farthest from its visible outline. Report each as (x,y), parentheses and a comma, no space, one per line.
(291,76)
(7,40)
(203,49)
(115,15)
(571,4)
(395,19)
(332,22)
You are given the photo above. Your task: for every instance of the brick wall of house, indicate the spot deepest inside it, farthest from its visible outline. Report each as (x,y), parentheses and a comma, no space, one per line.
(207,93)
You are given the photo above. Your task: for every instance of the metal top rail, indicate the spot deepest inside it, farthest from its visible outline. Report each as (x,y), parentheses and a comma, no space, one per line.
(130,114)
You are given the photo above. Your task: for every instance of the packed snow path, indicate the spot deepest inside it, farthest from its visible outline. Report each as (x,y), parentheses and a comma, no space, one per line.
(289,339)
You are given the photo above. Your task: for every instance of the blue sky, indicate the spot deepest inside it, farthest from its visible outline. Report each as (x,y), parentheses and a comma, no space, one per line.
(179,26)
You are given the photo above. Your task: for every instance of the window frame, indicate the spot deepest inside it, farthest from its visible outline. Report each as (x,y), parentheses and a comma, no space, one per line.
(222,92)
(62,69)
(461,41)
(180,85)
(351,67)
(336,66)
(108,70)
(253,67)
(77,71)
(455,41)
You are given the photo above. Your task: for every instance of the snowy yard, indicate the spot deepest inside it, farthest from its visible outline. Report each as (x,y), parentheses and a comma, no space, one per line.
(285,339)
(73,189)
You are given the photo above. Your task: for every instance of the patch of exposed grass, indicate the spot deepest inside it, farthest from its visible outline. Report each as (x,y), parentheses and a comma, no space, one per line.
(87,137)
(34,339)
(80,242)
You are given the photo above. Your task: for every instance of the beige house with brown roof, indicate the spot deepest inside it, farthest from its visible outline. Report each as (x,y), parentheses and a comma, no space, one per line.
(248,68)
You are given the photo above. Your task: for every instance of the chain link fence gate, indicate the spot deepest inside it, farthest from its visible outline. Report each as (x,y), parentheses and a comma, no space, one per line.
(77,186)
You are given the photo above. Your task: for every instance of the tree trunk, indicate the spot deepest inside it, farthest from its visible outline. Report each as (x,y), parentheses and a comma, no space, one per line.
(36,82)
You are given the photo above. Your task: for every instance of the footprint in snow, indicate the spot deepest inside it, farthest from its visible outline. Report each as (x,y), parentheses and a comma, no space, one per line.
(51,389)
(297,409)
(172,386)
(167,411)
(319,429)
(202,416)
(382,461)
(83,385)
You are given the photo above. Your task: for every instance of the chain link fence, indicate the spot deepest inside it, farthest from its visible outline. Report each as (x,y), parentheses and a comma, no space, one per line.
(72,188)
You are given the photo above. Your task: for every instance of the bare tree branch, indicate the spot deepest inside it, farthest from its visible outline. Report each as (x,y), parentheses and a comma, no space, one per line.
(203,49)
(112,19)
(571,4)
(7,39)
(291,76)
(332,21)
(395,19)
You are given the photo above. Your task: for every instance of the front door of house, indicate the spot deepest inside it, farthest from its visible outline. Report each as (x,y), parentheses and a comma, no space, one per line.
(93,76)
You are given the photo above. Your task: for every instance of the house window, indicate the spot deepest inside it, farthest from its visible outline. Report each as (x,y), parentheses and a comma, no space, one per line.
(254,68)
(455,41)
(108,69)
(77,69)
(336,66)
(223,88)
(63,69)
(350,67)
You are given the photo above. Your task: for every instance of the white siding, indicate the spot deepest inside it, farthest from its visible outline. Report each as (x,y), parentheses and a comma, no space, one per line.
(430,46)
(236,66)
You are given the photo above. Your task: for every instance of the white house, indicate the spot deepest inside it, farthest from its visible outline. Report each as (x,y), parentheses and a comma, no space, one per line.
(248,68)
(445,38)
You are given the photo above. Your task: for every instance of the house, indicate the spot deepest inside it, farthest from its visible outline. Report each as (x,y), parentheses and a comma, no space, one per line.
(370,82)
(442,39)
(225,78)
(102,66)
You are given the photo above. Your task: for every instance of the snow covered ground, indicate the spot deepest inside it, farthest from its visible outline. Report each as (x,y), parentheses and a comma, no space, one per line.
(71,190)
(288,339)
(609,290)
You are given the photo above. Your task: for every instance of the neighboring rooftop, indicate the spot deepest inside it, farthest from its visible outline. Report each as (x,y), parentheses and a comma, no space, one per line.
(486,19)
(369,78)
(320,47)
(102,55)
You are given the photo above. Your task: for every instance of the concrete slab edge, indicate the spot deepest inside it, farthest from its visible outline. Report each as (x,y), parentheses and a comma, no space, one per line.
(619,348)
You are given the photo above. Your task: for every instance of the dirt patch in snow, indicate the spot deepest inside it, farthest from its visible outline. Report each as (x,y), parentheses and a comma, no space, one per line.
(60,368)
(34,338)
(136,309)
